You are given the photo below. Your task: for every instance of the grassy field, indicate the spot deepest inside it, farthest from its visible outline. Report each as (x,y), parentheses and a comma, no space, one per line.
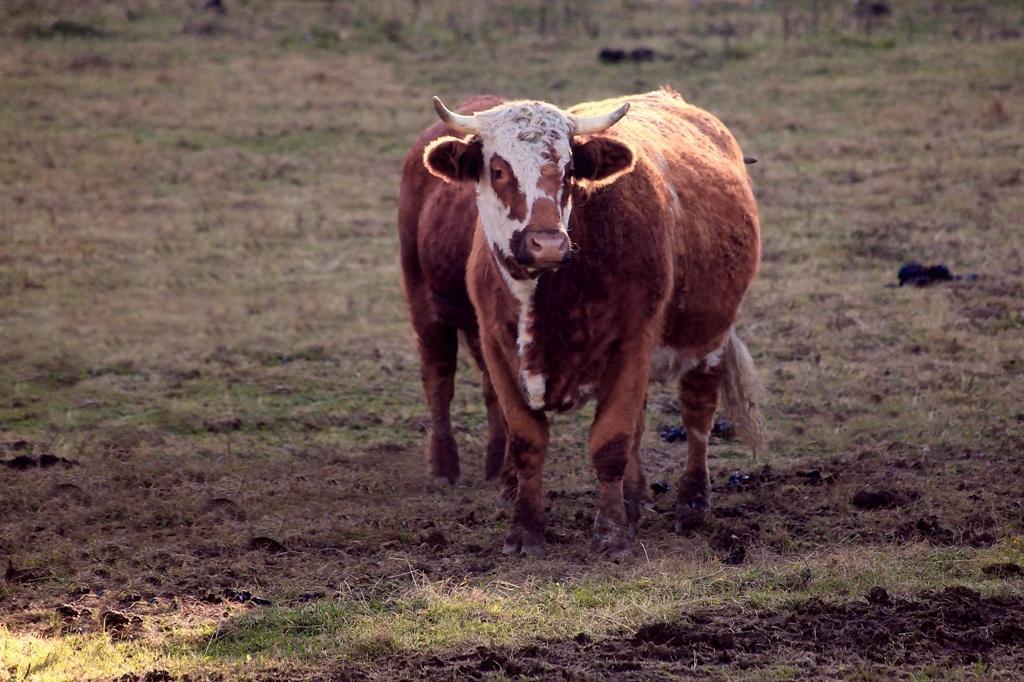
(211,423)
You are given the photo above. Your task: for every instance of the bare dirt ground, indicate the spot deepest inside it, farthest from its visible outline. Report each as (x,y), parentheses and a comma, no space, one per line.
(211,427)
(952,627)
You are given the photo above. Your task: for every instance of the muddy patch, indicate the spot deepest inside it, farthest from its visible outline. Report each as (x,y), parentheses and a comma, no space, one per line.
(950,626)
(954,627)
(879,497)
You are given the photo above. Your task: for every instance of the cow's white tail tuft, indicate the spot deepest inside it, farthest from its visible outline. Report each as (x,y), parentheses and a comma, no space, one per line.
(741,392)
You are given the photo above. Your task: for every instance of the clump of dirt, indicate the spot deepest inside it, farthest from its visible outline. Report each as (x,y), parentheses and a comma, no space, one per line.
(739,481)
(877,499)
(60,28)
(1004,570)
(119,624)
(225,507)
(435,540)
(246,597)
(44,461)
(226,425)
(28,574)
(151,676)
(73,618)
(266,544)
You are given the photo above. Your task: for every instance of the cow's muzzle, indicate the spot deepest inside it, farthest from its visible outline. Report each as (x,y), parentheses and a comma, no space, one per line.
(542,248)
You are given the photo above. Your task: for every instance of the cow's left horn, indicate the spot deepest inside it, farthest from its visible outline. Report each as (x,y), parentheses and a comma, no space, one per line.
(460,123)
(596,124)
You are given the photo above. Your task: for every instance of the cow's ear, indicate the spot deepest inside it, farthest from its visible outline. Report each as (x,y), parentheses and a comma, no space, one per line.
(602,160)
(455,160)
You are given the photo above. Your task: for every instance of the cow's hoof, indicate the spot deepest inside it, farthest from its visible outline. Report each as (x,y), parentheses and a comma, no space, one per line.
(534,551)
(693,505)
(519,541)
(443,459)
(611,538)
(444,477)
(444,482)
(612,546)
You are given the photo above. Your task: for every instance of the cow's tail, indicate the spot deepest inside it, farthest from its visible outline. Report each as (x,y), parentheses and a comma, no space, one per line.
(741,393)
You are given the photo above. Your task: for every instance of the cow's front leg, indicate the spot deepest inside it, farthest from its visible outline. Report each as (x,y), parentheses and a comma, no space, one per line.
(619,420)
(527,448)
(520,476)
(698,394)
(611,526)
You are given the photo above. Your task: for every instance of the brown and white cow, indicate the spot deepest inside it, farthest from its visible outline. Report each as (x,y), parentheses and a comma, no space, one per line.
(594,242)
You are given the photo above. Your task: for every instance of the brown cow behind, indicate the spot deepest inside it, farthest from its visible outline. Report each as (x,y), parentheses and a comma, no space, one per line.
(436,221)
(596,244)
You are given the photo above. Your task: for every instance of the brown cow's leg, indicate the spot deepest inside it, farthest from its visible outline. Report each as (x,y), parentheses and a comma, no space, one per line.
(613,453)
(634,484)
(438,343)
(496,430)
(698,393)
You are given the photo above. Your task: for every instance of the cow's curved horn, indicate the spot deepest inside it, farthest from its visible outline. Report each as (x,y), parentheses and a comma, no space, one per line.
(460,123)
(588,125)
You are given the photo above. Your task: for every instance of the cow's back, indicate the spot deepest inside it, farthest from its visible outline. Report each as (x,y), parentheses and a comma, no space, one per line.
(436,220)
(698,210)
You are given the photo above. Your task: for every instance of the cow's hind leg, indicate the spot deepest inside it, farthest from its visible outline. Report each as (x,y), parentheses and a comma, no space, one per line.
(496,428)
(698,393)
(439,347)
(634,484)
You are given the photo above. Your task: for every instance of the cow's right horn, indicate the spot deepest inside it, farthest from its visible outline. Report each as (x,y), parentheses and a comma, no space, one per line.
(460,123)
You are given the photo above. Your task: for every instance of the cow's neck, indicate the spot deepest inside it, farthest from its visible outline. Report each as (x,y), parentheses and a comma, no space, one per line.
(532,381)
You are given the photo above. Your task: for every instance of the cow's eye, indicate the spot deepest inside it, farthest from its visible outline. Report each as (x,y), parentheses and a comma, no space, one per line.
(496,174)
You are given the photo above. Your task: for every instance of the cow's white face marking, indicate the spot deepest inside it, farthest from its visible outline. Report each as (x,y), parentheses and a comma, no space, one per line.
(528,136)
(533,139)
